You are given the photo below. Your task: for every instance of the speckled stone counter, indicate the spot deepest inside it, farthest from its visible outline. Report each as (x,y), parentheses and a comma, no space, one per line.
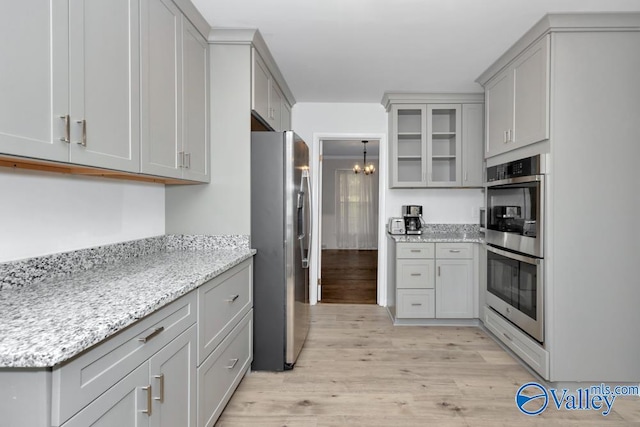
(443,233)
(62,313)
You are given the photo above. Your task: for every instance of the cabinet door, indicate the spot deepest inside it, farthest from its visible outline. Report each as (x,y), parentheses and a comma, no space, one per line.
(161,89)
(195,103)
(286,115)
(408,146)
(126,404)
(34,87)
(472,145)
(531,95)
(275,107)
(454,288)
(444,145)
(104,76)
(173,379)
(499,109)
(261,83)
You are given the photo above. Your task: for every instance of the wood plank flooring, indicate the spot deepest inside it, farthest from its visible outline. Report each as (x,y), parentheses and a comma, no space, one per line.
(357,369)
(349,276)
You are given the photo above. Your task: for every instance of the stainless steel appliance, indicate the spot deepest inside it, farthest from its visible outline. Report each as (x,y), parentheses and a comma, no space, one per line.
(412,215)
(515,289)
(396,226)
(280,213)
(514,238)
(515,206)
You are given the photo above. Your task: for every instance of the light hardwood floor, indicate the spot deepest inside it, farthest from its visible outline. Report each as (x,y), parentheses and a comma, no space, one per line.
(357,369)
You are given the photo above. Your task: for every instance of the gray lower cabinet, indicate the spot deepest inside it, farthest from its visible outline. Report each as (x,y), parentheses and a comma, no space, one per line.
(160,392)
(434,280)
(179,366)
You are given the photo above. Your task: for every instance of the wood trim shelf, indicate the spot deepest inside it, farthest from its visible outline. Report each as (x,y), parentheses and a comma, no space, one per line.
(48,166)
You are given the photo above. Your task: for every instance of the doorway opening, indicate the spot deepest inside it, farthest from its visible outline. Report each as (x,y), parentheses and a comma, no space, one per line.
(349,221)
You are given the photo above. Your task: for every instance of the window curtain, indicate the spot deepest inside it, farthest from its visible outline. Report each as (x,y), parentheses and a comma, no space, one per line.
(356,210)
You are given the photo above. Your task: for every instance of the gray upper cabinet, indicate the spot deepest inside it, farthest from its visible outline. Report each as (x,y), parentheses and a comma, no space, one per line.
(435,143)
(104,83)
(71,89)
(267,100)
(174,96)
(34,106)
(109,84)
(517,101)
(472,145)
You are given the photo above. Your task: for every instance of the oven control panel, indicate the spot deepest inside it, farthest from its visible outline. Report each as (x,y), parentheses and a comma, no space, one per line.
(522,167)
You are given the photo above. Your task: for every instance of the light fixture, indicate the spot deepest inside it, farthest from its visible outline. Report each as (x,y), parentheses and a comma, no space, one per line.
(368,169)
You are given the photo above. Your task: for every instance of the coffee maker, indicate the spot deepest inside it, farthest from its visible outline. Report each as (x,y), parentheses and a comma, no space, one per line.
(412,215)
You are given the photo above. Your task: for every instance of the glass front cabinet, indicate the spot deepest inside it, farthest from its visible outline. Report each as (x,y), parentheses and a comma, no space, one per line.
(431,147)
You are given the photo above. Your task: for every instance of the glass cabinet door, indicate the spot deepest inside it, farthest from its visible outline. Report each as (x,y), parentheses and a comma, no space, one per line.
(444,145)
(408,155)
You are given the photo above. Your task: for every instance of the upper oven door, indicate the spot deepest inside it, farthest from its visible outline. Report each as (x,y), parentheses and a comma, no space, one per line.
(515,214)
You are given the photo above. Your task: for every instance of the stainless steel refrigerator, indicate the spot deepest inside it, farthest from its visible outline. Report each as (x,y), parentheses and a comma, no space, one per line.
(281,233)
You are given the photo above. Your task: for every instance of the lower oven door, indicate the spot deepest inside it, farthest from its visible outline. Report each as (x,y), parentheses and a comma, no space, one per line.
(515,289)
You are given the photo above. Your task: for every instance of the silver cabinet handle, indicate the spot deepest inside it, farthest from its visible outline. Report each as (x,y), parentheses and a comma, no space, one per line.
(152,334)
(466,176)
(188,160)
(416,250)
(67,129)
(416,274)
(454,251)
(233,363)
(180,159)
(438,270)
(416,304)
(148,390)
(505,139)
(161,397)
(232,298)
(83,140)
(507,336)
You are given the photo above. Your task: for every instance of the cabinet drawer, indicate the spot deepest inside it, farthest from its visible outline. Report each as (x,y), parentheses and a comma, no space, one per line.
(416,303)
(220,374)
(454,250)
(84,378)
(221,304)
(415,250)
(416,274)
(526,348)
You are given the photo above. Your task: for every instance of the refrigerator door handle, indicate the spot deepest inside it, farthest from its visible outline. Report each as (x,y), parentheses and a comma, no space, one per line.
(304,210)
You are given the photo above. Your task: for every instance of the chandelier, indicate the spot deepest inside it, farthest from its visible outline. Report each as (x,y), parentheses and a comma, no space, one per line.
(367,169)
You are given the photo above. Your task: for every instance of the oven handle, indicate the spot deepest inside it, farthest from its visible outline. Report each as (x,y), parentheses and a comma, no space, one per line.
(518,257)
(517,180)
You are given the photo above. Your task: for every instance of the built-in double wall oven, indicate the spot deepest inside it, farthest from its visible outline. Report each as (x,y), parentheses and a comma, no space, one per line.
(514,240)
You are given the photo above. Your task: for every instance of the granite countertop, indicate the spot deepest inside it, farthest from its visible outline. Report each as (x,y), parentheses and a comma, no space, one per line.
(443,233)
(43,324)
(439,237)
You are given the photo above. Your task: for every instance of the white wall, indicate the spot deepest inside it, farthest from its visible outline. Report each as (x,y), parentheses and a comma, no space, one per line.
(44,213)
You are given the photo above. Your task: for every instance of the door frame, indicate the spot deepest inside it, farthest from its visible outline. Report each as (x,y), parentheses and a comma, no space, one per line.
(316,227)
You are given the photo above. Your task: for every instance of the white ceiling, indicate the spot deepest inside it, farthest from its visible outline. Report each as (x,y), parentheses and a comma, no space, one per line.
(355,50)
